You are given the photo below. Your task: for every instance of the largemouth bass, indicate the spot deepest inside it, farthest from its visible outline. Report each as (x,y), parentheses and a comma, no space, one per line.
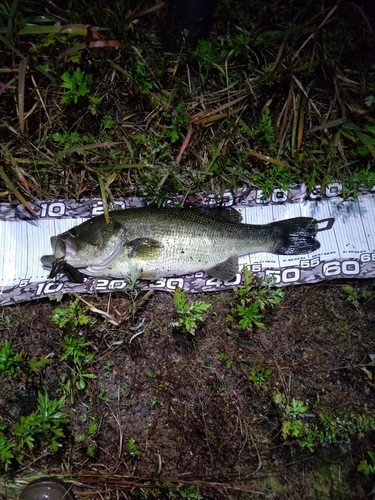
(162,242)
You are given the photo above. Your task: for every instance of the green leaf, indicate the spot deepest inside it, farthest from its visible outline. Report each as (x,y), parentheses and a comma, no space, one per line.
(131,448)
(296,428)
(35,364)
(80,384)
(367,372)
(92,429)
(368,141)
(285,428)
(7,452)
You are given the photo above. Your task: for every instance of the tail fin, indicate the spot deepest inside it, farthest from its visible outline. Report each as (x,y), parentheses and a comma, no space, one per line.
(296,236)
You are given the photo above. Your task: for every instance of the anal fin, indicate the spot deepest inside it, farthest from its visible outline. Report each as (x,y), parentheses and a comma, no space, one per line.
(226,270)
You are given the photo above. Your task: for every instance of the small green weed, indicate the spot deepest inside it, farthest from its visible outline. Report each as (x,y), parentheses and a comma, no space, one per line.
(259,375)
(8,451)
(190,493)
(367,467)
(364,177)
(174,119)
(107,122)
(155,402)
(75,350)
(174,491)
(131,448)
(291,425)
(274,177)
(16,365)
(94,100)
(189,314)
(42,428)
(265,130)
(77,355)
(76,85)
(6,322)
(336,428)
(133,290)
(249,315)
(240,46)
(132,282)
(108,368)
(366,137)
(87,439)
(44,424)
(328,430)
(72,317)
(10,363)
(150,190)
(223,356)
(355,295)
(70,139)
(141,74)
(253,298)
(205,56)
(212,58)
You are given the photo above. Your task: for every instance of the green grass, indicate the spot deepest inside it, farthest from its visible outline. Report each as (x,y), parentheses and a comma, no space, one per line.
(258,102)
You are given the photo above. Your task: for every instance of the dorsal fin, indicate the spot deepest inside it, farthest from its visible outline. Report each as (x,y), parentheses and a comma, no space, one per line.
(228,214)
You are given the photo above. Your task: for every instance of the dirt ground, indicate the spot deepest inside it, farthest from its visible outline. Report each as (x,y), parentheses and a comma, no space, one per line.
(203,423)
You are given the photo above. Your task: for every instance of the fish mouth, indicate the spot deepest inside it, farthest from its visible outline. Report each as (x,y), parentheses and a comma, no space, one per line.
(60,249)
(48,260)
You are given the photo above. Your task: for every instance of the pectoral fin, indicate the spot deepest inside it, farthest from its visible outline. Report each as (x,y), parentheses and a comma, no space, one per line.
(226,270)
(144,248)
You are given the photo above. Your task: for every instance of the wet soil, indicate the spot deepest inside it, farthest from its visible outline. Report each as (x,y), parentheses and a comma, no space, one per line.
(200,409)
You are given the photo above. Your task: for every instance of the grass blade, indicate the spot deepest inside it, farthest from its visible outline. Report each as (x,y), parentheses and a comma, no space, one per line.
(21,93)
(87,147)
(12,188)
(104,198)
(12,13)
